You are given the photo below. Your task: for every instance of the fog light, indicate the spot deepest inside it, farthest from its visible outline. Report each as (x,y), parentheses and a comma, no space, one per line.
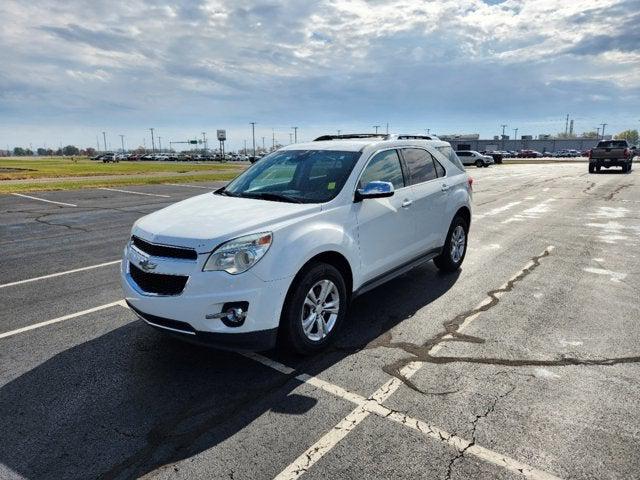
(233,314)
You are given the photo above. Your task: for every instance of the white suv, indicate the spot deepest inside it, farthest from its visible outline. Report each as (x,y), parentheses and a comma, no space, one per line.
(471,157)
(280,251)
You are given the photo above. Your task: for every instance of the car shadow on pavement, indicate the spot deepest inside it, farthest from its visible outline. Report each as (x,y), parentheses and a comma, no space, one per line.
(132,400)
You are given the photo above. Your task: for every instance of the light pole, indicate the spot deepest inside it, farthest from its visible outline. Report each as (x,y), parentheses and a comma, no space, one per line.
(263,149)
(160,144)
(598,133)
(273,140)
(253,137)
(245,147)
(295,134)
(122,142)
(503,127)
(204,139)
(290,138)
(104,138)
(603,125)
(339,132)
(376,127)
(515,133)
(153,143)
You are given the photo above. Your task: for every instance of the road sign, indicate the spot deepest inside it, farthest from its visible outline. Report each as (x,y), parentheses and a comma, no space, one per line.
(222,135)
(193,142)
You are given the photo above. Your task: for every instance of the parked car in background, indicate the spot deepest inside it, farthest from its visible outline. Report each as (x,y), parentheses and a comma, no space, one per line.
(471,157)
(109,158)
(496,155)
(282,249)
(529,154)
(611,153)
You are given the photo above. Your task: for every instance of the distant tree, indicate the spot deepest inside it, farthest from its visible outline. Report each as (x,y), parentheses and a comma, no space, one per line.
(630,136)
(42,151)
(90,152)
(28,152)
(592,135)
(19,152)
(70,150)
(565,136)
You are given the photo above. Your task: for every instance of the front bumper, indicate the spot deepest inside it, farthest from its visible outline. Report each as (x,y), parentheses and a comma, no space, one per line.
(204,295)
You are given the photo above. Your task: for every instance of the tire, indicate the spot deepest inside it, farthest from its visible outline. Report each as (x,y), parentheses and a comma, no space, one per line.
(450,260)
(592,168)
(486,165)
(598,168)
(479,163)
(299,308)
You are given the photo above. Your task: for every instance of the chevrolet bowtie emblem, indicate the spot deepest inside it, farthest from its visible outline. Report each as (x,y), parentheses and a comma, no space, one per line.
(147,266)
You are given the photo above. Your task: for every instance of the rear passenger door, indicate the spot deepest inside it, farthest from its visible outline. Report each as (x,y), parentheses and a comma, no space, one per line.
(427,178)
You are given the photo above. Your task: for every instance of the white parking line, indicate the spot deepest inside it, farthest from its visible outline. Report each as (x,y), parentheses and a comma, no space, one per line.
(53,275)
(314,453)
(44,200)
(61,319)
(188,186)
(135,193)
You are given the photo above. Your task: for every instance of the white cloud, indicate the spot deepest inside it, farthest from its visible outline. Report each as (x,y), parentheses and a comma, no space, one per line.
(455,64)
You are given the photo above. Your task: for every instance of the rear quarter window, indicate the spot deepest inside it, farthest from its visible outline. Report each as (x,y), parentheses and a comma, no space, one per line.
(451,155)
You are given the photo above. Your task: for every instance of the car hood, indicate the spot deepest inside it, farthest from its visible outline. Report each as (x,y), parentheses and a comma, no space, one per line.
(203,222)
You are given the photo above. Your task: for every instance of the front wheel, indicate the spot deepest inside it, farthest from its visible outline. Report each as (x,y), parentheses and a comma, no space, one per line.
(455,247)
(479,163)
(314,309)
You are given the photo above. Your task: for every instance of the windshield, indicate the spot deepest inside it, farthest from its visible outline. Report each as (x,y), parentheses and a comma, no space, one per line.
(299,176)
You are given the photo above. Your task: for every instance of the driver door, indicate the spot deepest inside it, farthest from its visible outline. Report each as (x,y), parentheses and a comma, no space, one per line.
(386,230)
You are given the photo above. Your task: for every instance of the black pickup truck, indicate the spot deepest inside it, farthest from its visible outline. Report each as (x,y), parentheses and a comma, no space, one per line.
(611,153)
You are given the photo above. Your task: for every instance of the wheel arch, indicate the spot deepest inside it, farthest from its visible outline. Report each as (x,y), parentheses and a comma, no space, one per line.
(465,213)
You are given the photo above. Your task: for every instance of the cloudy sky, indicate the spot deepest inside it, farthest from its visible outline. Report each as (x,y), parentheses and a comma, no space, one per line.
(71,69)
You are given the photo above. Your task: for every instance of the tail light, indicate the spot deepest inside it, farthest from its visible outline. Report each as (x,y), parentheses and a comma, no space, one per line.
(626,153)
(470,183)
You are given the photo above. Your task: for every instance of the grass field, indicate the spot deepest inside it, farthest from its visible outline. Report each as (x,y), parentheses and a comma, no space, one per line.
(20,174)
(17,168)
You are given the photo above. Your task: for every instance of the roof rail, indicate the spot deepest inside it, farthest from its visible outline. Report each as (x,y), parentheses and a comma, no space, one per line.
(351,136)
(415,137)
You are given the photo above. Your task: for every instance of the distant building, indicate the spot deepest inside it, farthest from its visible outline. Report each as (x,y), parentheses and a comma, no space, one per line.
(544,136)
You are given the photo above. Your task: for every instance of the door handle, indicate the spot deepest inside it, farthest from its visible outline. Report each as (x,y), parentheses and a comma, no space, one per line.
(444,187)
(406,203)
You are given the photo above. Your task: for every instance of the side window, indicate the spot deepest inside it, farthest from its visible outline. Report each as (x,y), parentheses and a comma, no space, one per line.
(439,168)
(450,155)
(384,167)
(420,165)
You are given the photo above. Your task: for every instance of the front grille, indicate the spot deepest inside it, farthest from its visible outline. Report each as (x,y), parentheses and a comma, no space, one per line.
(158,283)
(164,250)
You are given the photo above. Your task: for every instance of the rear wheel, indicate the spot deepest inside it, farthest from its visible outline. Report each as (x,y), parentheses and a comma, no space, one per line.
(592,168)
(598,168)
(455,247)
(314,309)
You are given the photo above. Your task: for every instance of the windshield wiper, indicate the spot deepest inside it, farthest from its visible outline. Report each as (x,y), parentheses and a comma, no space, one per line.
(223,191)
(278,197)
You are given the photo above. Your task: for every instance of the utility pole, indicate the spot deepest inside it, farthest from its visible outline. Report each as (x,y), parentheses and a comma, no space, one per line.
(387,128)
(515,133)
(290,138)
(204,139)
(122,142)
(264,149)
(603,125)
(253,137)
(153,143)
(295,134)
(104,137)
(339,132)
(245,147)
(566,126)
(503,127)
(273,140)
(376,127)
(598,132)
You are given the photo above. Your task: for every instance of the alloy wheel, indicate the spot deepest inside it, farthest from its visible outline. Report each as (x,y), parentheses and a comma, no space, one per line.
(458,243)
(320,310)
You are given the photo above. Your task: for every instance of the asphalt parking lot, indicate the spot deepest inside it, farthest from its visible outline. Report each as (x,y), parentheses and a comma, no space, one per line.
(523,364)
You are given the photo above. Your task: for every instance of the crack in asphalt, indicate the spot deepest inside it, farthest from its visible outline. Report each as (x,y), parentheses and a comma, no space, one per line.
(450,332)
(617,190)
(589,188)
(474,426)
(41,220)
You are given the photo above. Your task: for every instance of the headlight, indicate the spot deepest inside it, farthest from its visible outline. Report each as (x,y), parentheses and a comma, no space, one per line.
(240,254)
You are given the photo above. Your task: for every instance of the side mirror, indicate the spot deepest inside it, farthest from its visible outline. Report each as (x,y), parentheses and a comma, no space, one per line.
(374,189)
